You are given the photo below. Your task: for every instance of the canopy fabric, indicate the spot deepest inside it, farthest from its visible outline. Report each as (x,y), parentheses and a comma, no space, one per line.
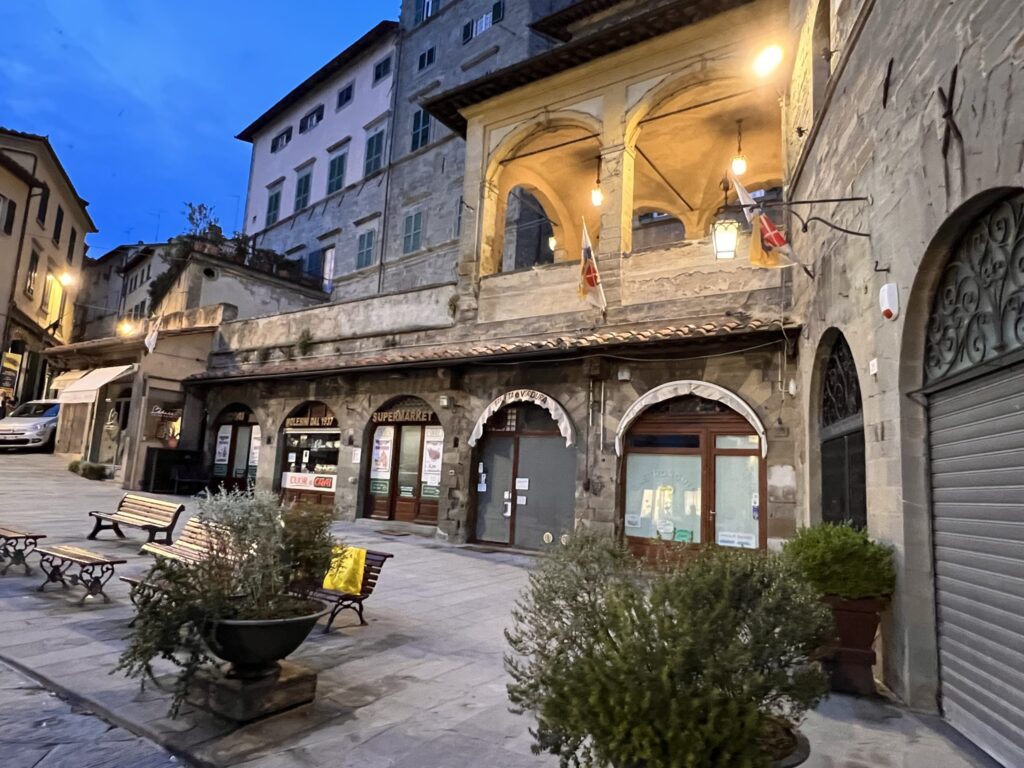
(86,389)
(546,402)
(689,387)
(64,379)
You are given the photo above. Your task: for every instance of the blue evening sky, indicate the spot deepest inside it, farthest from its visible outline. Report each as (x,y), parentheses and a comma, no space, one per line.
(142,98)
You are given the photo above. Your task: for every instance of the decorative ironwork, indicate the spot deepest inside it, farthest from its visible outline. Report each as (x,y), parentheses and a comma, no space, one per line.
(978,311)
(841,395)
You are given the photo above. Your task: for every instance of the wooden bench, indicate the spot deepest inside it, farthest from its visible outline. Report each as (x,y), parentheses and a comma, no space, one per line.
(344,601)
(15,546)
(154,516)
(193,544)
(94,569)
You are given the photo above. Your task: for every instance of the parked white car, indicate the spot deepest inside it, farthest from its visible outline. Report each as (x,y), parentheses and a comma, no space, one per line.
(31,425)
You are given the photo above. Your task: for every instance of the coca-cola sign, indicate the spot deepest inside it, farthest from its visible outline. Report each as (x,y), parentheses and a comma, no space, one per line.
(306,481)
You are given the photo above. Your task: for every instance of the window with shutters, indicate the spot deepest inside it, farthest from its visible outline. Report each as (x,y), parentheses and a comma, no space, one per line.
(311,119)
(280,141)
(58,224)
(336,173)
(427,58)
(273,206)
(72,244)
(303,184)
(345,95)
(30,275)
(420,129)
(8,210)
(412,240)
(44,204)
(364,249)
(374,153)
(476,27)
(381,69)
(424,10)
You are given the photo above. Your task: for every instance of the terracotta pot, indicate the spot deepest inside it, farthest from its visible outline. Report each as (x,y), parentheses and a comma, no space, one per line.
(255,646)
(849,664)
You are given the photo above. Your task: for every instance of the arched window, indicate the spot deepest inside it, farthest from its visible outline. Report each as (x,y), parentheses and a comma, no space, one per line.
(529,233)
(843,489)
(654,228)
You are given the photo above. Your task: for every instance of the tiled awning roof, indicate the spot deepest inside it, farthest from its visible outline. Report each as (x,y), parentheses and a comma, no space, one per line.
(578,344)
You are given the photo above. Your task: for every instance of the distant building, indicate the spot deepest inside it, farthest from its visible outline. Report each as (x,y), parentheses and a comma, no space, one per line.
(16,185)
(47,263)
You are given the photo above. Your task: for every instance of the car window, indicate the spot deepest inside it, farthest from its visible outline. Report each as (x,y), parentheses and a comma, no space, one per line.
(36,410)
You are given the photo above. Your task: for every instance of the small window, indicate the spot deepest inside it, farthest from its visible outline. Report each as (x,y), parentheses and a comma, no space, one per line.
(413,233)
(424,10)
(312,119)
(7,212)
(381,70)
(30,276)
(458,216)
(302,187)
(44,204)
(374,153)
(72,244)
(149,271)
(58,224)
(420,129)
(427,58)
(364,249)
(273,206)
(44,303)
(281,140)
(336,173)
(479,25)
(345,95)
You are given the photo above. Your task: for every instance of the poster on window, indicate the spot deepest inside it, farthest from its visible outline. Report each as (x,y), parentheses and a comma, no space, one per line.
(433,453)
(380,461)
(222,451)
(254,451)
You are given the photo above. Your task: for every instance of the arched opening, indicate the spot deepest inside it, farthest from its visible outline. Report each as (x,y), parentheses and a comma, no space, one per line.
(406,445)
(653,228)
(972,368)
(310,444)
(236,447)
(525,472)
(843,485)
(529,236)
(535,216)
(693,473)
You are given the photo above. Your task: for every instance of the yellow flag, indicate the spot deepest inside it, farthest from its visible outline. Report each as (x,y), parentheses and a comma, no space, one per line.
(759,257)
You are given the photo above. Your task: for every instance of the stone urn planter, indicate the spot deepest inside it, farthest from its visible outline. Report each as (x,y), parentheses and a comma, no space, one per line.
(849,663)
(253,647)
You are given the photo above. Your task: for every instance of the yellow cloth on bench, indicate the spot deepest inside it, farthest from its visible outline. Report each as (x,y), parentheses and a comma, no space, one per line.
(346,574)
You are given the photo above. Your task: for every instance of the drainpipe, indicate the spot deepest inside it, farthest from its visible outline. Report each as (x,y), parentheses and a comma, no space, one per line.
(399,44)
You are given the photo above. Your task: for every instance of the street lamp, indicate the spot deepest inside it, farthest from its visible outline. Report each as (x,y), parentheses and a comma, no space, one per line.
(126,327)
(67,279)
(767,60)
(724,235)
(739,162)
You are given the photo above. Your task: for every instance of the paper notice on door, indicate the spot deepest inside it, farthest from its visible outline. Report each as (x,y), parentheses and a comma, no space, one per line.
(522,483)
(632,521)
(481,487)
(521,501)
(357,455)
(736,539)
(647,503)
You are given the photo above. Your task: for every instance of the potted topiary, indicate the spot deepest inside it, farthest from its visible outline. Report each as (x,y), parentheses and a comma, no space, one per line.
(705,661)
(856,577)
(245,600)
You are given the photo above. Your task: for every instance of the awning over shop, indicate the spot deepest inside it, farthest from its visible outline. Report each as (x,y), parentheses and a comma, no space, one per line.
(86,389)
(66,378)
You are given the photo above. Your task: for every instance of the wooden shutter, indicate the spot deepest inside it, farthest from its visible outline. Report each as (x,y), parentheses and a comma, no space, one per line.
(9,218)
(498,12)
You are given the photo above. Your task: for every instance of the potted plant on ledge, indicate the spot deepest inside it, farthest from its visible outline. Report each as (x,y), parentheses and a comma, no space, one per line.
(705,661)
(856,577)
(242,600)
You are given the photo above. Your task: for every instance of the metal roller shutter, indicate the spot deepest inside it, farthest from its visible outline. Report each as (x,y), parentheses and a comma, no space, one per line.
(977,463)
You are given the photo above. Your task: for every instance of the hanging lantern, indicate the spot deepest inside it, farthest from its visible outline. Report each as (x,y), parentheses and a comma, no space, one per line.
(725,234)
(739,162)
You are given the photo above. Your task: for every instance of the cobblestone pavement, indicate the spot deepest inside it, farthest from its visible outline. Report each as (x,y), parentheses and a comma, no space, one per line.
(39,730)
(421,687)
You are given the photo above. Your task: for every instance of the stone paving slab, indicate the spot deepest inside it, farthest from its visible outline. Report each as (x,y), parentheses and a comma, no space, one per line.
(421,687)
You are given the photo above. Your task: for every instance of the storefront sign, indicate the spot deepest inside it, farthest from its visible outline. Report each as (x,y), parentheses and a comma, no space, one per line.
(736,539)
(414,415)
(308,482)
(222,451)
(549,404)
(170,414)
(310,421)
(433,453)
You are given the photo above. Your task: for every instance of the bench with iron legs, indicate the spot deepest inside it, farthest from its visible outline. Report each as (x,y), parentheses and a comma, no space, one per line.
(94,569)
(157,518)
(194,543)
(341,601)
(15,547)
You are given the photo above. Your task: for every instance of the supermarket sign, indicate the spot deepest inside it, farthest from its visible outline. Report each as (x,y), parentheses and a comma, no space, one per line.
(302,481)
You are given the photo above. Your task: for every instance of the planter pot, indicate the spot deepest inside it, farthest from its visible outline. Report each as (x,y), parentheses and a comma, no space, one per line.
(255,646)
(849,664)
(801,752)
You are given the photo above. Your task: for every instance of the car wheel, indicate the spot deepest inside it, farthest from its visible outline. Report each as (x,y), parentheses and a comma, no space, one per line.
(50,443)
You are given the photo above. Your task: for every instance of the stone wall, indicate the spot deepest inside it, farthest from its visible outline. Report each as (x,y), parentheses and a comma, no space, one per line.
(891,153)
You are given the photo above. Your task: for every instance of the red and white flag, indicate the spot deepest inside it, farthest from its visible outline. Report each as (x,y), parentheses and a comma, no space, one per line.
(590,279)
(768,246)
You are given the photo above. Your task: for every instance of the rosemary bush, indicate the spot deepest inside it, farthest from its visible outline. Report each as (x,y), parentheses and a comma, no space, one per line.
(700,664)
(261,560)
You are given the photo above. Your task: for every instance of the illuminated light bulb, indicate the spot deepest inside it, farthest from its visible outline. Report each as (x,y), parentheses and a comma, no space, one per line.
(552,242)
(67,279)
(596,197)
(767,60)
(739,165)
(126,328)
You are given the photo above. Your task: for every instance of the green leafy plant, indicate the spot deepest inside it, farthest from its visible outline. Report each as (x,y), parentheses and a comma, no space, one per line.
(75,466)
(706,662)
(261,563)
(843,561)
(305,342)
(92,471)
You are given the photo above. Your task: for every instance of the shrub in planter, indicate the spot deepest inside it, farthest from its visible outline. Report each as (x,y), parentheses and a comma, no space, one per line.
(247,601)
(856,577)
(93,471)
(75,466)
(706,662)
